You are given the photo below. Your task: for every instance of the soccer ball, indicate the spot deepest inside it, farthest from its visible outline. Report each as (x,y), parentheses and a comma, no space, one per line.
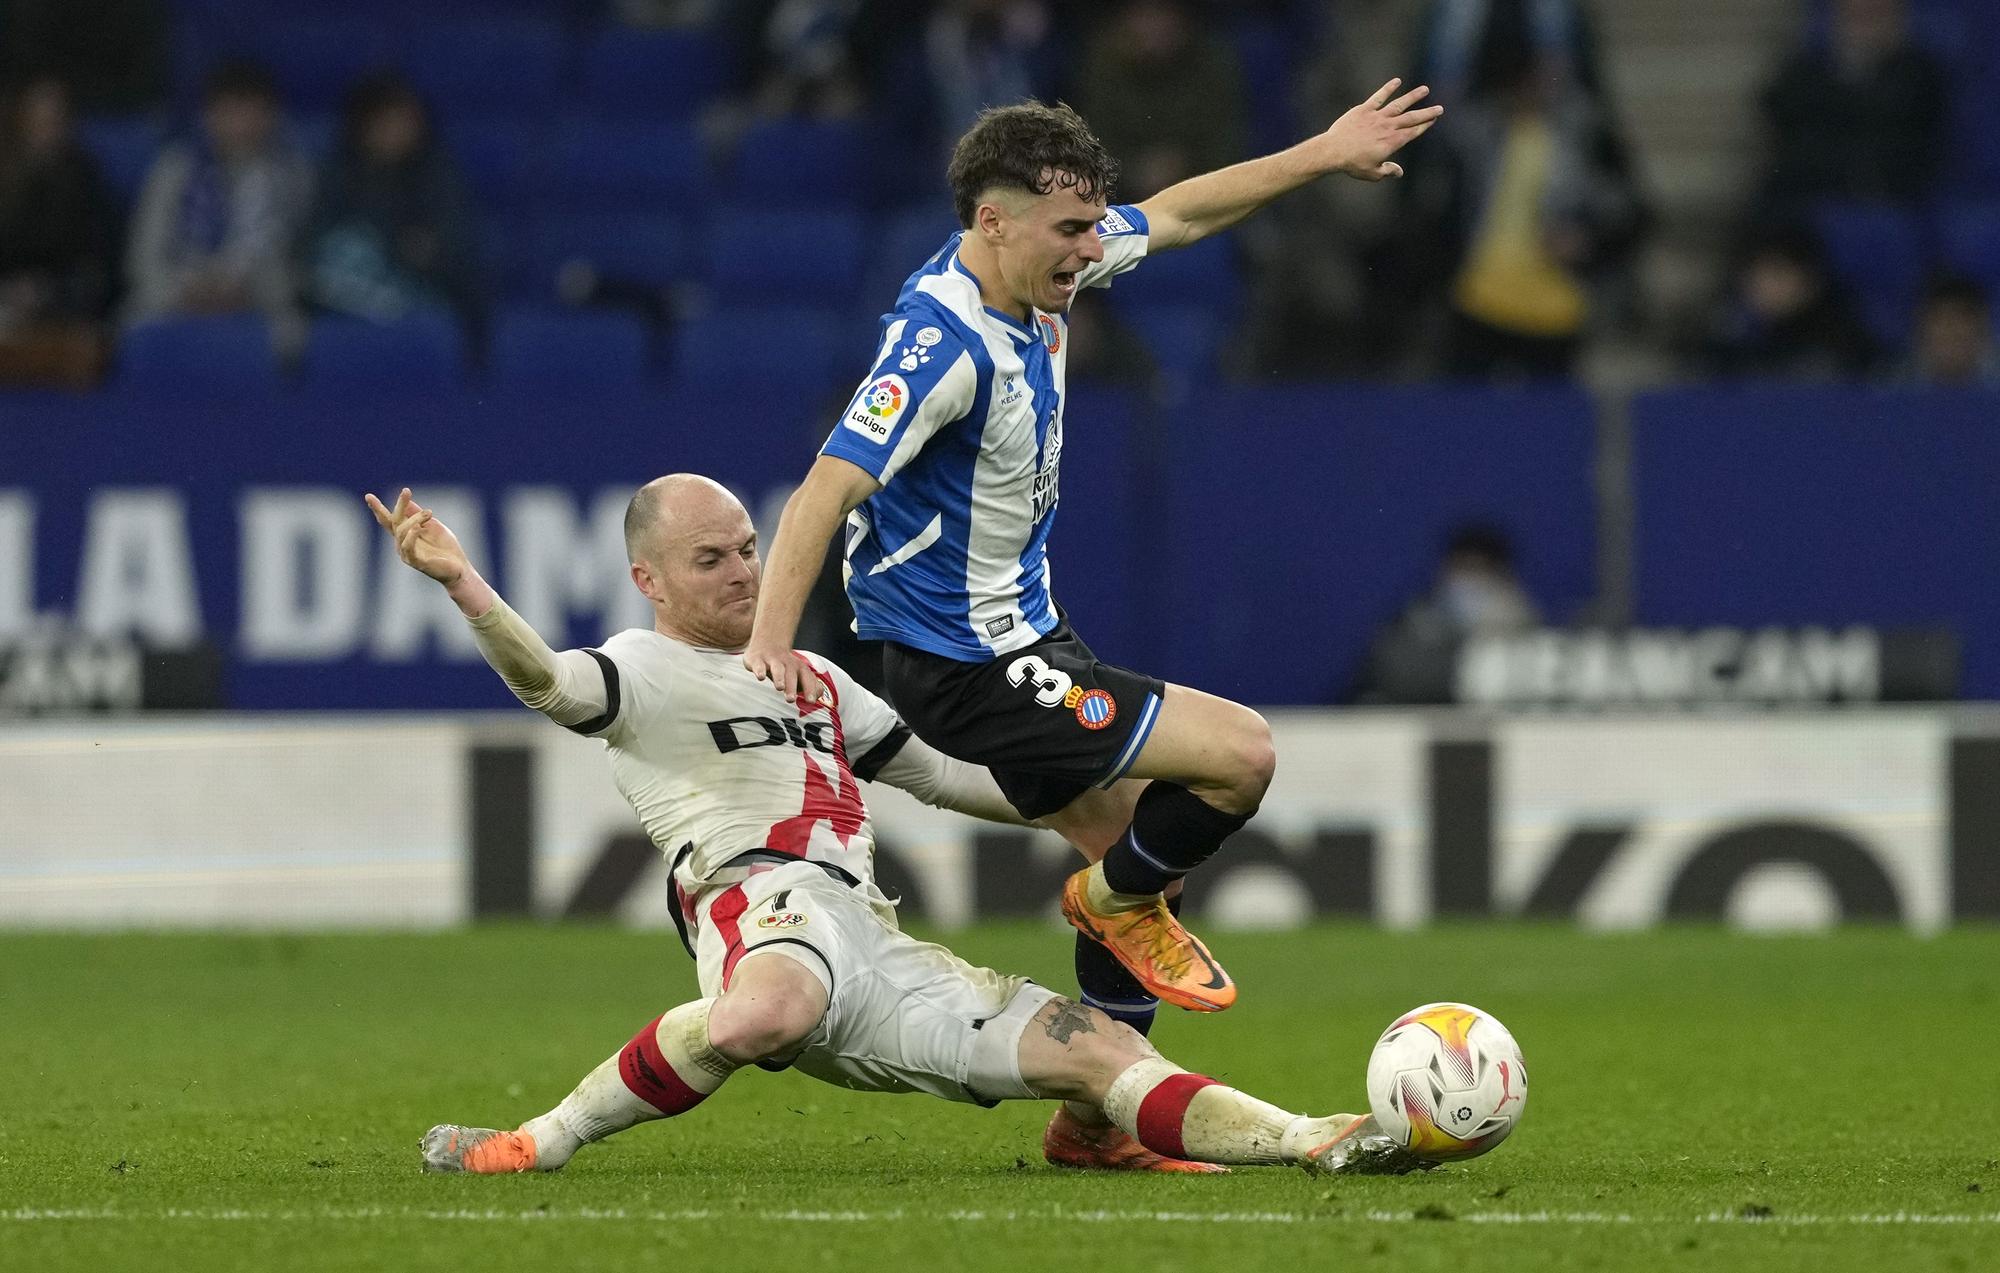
(1446,1081)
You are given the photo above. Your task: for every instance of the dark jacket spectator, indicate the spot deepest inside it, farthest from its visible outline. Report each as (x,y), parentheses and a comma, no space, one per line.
(1861,115)
(1476,593)
(219,218)
(1163,95)
(56,244)
(113,54)
(392,230)
(1786,317)
(55,218)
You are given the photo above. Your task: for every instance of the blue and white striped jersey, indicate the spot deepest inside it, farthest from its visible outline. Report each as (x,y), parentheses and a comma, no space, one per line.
(961,422)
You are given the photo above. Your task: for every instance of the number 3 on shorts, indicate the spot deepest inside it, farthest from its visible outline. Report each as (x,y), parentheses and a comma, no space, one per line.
(1050,685)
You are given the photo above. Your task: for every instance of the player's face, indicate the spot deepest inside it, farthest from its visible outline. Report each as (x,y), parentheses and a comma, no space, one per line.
(1046,240)
(705,578)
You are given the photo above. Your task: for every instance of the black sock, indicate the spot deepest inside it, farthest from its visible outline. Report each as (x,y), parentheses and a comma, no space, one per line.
(1173,831)
(1109,987)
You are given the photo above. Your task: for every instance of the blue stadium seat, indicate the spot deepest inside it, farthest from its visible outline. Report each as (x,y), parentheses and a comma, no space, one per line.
(1877,250)
(813,348)
(654,73)
(315,133)
(313,58)
(800,161)
(1968,239)
(124,147)
(1973,164)
(1202,274)
(186,357)
(595,163)
(501,158)
(632,247)
(1184,340)
(567,349)
(907,241)
(507,258)
(1264,55)
(756,255)
(491,66)
(350,357)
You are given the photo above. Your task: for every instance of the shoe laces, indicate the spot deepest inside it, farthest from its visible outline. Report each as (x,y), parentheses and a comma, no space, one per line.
(1164,947)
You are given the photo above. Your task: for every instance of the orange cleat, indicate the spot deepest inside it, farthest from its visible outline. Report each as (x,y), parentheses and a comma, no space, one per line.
(1169,961)
(1069,1143)
(481,1151)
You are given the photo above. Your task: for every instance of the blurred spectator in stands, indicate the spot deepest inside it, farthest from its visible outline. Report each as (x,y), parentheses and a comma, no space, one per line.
(1475,594)
(56,241)
(1526,209)
(391,228)
(1322,256)
(1861,114)
(984,53)
(111,53)
(1786,316)
(1163,94)
(220,215)
(1954,342)
(805,58)
(667,13)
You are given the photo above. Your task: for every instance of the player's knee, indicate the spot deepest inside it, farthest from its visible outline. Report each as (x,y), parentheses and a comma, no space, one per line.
(1253,761)
(772,1022)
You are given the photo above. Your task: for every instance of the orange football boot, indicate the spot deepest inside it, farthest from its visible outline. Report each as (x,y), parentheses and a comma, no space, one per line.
(1169,961)
(479,1150)
(1070,1143)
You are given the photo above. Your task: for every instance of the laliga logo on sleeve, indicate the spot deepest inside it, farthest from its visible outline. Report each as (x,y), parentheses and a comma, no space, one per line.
(874,412)
(785,919)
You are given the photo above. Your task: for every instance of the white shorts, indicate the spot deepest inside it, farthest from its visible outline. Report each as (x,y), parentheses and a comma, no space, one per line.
(903,1015)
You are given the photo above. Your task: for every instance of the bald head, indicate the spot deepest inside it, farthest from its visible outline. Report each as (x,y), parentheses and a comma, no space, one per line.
(670,506)
(694,555)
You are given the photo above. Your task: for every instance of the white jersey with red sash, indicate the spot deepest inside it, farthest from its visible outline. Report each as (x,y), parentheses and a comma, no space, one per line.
(729,778)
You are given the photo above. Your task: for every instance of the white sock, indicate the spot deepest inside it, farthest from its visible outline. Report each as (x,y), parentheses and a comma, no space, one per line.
(1183,1115)
(667,1069)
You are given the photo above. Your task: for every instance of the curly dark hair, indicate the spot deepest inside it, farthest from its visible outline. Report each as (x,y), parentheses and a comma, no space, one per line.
(1029,147)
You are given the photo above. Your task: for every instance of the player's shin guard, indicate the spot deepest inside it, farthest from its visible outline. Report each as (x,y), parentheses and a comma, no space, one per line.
(1183,1115)
(668,1068)
(1108,986)
(1173,831)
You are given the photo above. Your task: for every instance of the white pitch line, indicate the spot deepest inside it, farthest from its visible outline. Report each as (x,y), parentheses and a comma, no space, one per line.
(538,1215)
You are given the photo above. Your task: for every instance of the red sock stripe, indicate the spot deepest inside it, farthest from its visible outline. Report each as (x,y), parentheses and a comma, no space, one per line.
(650,1078)
(1163,1110)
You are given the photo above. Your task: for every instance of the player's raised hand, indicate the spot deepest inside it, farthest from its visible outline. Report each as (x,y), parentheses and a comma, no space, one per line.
(1362,142)
(789,674)
(422,541)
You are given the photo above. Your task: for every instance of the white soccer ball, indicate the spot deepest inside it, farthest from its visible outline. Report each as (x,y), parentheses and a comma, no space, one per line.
(1447,1081)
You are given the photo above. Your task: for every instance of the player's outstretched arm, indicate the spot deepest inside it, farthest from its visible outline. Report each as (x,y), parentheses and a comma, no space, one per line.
(569,688)
(1362,143)
(833,488)
(943,782)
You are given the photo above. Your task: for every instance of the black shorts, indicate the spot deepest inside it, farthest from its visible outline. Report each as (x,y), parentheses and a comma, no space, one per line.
(1049,720)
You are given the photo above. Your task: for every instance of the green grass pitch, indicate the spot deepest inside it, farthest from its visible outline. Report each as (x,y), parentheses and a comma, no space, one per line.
(1699,1100)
